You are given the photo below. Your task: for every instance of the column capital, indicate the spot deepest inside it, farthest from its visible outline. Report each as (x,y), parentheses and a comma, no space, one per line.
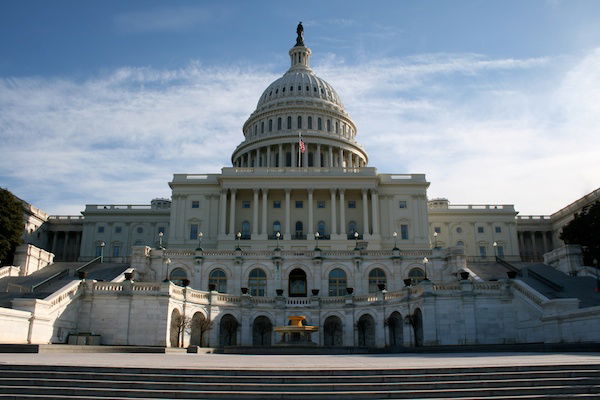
(265,191)
(255,190)
(232,190)
(332,191)
(310,190)
(364,191)
(341,191)
(287,190)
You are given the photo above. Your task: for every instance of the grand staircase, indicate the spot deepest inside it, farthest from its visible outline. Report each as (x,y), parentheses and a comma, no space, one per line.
(519,382)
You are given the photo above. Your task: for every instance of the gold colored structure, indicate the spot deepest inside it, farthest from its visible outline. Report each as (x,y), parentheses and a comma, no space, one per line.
(296,333)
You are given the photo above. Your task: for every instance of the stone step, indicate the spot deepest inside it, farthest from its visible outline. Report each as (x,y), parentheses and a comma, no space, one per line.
(299,378)
(481,393)
(304,372)
(358,385)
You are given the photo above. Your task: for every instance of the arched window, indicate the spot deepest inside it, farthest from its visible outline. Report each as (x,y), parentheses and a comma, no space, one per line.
(245,230)
(376,278)
(321,228)
(337,127)
(299,122)
(416,275)
(270,125)
(279,123)
(276,227)
(228,328)
(262,127)
(366,331)
(333,333)
(328,126)
(319,124)
(255,129)
(337,282)
(177,276)
(257,282)
(297,283)
(460,243)
(394,324)
(262,330)
(299,230)
(309,122)
(218,278)
(289,122)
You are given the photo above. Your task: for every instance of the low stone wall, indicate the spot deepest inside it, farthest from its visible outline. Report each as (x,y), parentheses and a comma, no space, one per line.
(31,258)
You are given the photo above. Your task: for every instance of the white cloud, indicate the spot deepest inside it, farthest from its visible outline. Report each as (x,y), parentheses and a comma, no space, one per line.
(484,130)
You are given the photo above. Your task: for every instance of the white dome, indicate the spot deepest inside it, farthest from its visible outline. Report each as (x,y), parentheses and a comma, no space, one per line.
(300,84)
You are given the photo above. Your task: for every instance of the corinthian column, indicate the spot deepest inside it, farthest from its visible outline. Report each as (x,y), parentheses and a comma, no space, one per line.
(232,214)
(310,214)
(255,214)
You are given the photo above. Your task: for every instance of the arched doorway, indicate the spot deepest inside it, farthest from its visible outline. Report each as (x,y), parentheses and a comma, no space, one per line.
(228,328)
(394,325)
(333,331)
(297,283)
(199,330)
(418,327)
(262,330)
(175,328)
(366,331)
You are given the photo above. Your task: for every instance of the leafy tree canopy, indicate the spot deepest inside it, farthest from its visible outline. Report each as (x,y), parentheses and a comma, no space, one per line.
(11,225)
(584,230)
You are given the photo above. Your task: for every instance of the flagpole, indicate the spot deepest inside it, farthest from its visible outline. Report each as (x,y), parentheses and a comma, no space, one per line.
(299,140)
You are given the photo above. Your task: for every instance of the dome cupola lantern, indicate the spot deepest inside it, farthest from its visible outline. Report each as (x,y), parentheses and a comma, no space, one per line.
(299,54)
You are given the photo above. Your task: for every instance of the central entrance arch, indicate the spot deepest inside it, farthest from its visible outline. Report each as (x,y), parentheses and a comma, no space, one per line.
(297,283)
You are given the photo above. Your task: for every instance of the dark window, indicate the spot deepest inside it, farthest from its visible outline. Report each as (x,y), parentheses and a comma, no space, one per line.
(279,123)
(193,231)
(498,229)
(100,229)
(351,203)
(321,228)
(195,204)
(337,282)
(140,230)
(218,278)
(299,122)
(321,204)
(319,124)
(289,122)
(480,229)
(376,278)
(328,125)
(257,282)
(246,204)
(161,229)
(437,229)
(276,227)
(118,229)
(276,203)
(309,122)
(402,203)
(299,204)
(270,125)
(404,232)
(262,127)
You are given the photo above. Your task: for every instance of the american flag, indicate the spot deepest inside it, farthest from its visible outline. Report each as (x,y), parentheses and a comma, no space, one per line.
(302,146)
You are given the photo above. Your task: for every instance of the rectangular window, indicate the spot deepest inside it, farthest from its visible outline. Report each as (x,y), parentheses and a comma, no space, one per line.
(195,204)
(161,229)
(193,231)
(299,204)
(482,251)
(116,250)
(437,229)
(402,203)
(118,229)
(100,229)
(246,204)
(351,203)
(480,229)
(276,204)
(500,251)
(404,232)
(498,229)
(321,204)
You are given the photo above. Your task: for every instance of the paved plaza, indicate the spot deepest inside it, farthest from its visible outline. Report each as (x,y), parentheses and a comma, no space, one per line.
(300,362)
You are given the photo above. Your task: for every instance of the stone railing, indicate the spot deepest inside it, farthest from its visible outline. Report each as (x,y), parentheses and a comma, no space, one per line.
(294,253)
(64,295)
(528,292)
(10,270)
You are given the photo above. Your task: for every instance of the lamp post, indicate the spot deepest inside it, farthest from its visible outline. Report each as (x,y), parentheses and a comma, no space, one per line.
(495,244)
(435,235)
(425,261)
(238,236)
(167,263)
(160,239)
(356,239)
(200,235)
(102,244)
(317,234)
(395,235)
(278,235)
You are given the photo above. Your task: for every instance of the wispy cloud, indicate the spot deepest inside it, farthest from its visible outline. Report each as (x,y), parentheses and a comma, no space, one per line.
(164,19)
(484,130)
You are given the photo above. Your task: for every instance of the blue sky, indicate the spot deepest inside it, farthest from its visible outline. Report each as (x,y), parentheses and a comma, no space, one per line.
(496,101)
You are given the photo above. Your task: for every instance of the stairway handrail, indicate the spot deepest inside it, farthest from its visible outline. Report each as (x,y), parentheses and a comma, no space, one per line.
(93,260)
(37,285)
(533,274)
